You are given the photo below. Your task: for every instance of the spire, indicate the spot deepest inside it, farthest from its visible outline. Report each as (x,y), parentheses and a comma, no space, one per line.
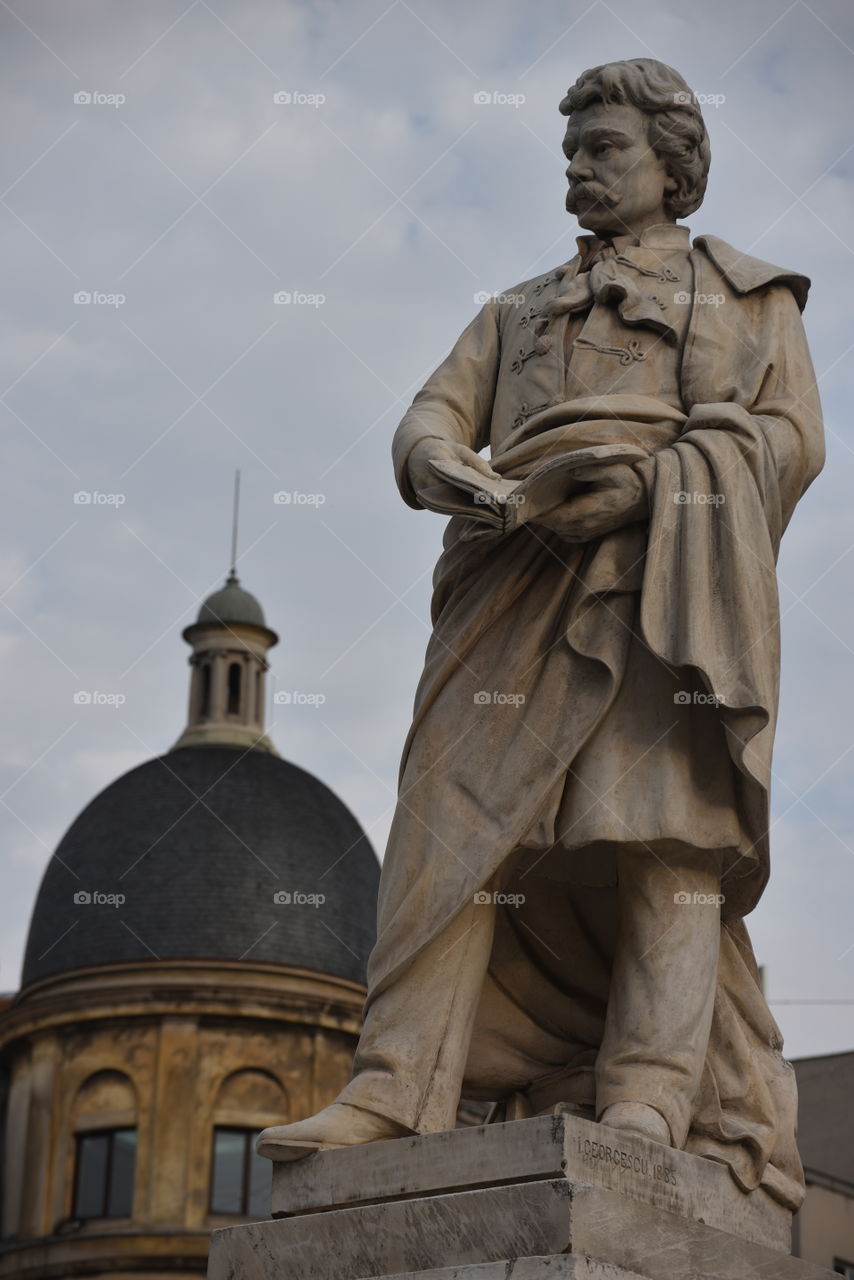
(235,513)
(230,639)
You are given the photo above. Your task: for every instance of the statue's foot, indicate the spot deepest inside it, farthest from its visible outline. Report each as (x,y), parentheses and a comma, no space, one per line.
(637,1118)
(339,1125)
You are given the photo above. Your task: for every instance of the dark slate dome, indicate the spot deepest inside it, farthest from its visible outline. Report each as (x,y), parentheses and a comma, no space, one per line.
(232,603)
(199,842)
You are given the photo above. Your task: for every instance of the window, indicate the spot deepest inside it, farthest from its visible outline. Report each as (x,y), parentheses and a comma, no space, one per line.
(234,688)
(103,1181)
(205,702)
(241,1180)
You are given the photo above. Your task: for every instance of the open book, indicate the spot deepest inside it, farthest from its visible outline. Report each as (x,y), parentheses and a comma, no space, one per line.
(502,505)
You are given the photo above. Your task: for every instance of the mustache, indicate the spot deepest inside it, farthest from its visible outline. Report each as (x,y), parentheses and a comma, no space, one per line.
(590,192)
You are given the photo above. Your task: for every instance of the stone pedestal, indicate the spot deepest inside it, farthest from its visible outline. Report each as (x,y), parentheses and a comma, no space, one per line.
(558,1197)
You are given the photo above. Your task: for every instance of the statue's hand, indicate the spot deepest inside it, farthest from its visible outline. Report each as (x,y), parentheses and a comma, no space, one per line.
(618,497)
(420,474)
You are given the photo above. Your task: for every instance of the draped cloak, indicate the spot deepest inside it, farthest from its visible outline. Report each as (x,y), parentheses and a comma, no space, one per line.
(545,625)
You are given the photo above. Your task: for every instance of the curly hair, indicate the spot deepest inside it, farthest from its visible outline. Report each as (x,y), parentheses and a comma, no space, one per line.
(676,130)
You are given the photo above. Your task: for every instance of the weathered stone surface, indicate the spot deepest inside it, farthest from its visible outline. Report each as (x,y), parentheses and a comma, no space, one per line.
(559,1146)
(559,1266)
(495,1224)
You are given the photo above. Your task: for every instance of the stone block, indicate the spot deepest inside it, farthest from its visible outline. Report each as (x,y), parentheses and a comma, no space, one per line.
(560,1146)
(554,1198)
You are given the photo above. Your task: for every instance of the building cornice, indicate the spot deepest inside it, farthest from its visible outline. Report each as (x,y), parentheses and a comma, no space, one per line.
(94,1253)
(204,989)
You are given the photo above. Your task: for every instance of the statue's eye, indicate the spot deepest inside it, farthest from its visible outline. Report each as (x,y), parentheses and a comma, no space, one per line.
(602,148)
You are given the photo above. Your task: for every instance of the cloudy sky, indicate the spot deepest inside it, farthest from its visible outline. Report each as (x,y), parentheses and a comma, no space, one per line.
(148,164)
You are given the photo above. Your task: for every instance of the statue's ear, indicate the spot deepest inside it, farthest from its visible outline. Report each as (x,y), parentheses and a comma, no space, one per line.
(670,185)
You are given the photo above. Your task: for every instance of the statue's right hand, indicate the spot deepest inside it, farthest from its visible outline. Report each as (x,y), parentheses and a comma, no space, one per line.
(421,475)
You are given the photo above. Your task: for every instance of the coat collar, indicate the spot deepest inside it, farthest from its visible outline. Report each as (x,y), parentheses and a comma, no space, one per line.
(746,274)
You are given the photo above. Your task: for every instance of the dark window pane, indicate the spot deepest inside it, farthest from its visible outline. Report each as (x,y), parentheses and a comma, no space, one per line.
(120,1197)
(260,1183)
(228,1165)
(205,707)
(233,689)
(92,1152)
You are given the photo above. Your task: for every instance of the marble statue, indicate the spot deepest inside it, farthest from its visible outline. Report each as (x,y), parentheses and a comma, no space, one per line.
(583,813)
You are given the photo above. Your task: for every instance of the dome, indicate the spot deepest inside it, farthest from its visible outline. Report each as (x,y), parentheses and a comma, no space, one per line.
(212,853)
(232,604)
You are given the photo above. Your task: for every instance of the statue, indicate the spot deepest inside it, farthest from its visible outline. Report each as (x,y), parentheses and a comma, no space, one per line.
(583,812)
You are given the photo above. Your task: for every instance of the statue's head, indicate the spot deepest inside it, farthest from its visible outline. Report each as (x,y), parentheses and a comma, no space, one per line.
(637,146)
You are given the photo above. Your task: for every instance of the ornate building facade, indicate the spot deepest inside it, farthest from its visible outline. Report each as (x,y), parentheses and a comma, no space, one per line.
(194,972)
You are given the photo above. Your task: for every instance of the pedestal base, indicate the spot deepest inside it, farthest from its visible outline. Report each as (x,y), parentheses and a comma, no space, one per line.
(557,1197)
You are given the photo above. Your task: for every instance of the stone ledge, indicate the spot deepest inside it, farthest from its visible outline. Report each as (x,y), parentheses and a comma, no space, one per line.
(496,1225)
(549,1147)
(559,1266)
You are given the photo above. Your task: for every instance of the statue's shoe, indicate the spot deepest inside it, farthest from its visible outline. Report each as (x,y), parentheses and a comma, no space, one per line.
(637,1118)
(339,1125)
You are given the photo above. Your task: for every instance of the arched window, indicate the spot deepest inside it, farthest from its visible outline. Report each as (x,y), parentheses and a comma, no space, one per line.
(234,688)
(247,1102)
(104,1119)
(205,700)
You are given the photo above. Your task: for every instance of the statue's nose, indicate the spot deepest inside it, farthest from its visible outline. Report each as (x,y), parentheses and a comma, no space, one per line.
(579,171)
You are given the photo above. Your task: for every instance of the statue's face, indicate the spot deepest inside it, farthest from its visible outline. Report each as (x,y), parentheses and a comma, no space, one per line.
(617,184)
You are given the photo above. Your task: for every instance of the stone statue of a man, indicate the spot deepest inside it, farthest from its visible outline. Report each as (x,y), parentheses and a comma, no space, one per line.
(582,821)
